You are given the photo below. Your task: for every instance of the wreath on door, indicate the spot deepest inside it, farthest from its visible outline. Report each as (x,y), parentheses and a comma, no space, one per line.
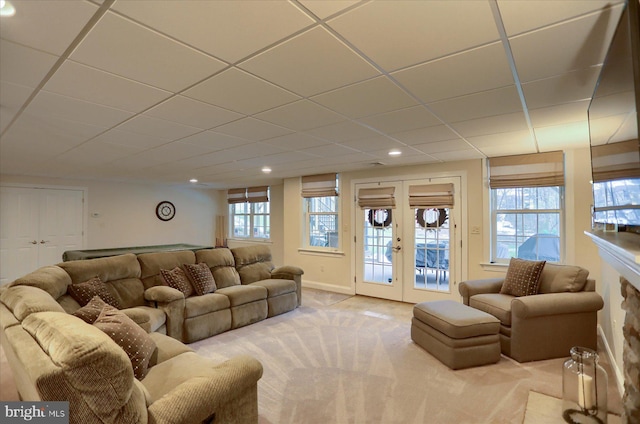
(379,218)
(431,218)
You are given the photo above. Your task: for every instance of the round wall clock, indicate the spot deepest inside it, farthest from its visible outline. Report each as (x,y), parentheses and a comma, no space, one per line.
(165,210)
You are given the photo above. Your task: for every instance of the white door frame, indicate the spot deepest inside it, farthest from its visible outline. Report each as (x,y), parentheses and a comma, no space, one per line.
(462,231)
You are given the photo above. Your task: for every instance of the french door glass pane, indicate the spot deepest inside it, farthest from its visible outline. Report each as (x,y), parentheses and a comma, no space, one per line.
(431,230)
(378,248)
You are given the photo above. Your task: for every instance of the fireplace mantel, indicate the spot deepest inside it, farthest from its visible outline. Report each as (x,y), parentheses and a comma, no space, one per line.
(621,251)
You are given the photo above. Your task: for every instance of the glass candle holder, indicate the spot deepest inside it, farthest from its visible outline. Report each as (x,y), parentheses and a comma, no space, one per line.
(584,388)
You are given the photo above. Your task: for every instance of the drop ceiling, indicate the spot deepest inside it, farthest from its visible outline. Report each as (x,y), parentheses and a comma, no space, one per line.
(164,91)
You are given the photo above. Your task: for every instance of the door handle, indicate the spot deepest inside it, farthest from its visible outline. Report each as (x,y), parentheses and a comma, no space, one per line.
(397,249)
(44,241)
(33,242)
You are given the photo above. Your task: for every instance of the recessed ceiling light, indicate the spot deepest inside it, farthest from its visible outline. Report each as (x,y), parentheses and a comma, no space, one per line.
(266,169)
(193,180)
(6,8)
(395,152)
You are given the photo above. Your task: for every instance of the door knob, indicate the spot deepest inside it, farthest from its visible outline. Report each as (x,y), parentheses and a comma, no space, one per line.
(44,241)
(33,242)
(397,248)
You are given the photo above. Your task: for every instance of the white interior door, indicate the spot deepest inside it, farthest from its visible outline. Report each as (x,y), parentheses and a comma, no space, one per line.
(378,244)
(36,227)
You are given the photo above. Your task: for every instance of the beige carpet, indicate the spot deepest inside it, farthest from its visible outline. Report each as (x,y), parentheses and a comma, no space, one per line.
(543,409)
(340,359)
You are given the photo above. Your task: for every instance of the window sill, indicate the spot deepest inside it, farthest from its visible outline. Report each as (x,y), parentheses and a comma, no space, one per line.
(320,252)
(494,266)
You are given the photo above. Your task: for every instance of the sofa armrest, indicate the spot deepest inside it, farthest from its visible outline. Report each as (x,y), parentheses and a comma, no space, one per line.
(172,303)
(473,287)
(555,304)
(289,272)
(231,391)
(162,294)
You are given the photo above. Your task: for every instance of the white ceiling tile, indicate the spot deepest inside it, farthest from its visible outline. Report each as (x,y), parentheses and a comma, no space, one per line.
(443,146)
(543,53)
(480,105)
(154,127)
(378,95)
(23,65)
(310,63)
(130,139)
(95,152)
(238,91)
(563,137)
(214,141)
(252,129)
(560,114)
(426,135)
(613,128)
(402,120)
(329,151)
(373,143)
(471,71)
(295,141)
(521,141)
(245,26)
(301,115)
(92,85)
(174,151)
(42,138)
(412,157)
(425,30)
(494,124)
(53,124)
(574,86)
(343,131)
(12,97)
(46,103)
(47,25)
(143,55)
(458,155)
(191,112)
(325,8)
(522,16)
(284,158)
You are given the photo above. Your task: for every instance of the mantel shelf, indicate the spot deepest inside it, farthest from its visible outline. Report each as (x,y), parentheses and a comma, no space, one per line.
(621,251)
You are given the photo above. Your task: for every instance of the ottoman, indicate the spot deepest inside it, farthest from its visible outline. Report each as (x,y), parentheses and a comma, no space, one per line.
(458,335)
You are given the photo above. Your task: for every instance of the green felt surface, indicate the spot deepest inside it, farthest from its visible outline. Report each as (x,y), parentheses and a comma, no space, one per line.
(73,255)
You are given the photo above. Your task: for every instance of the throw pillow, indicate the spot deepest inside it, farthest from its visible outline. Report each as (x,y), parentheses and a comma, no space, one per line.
(201,278)
(91,311)
(138,345)
(523,277)
(177,279)
(84,292)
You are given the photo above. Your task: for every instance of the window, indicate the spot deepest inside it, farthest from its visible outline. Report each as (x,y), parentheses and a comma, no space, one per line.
(321,211)
(527,195)
(617,201)
(526,223)
(249,212)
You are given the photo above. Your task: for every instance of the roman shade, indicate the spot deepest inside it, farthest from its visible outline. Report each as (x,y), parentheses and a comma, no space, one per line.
(258,194)
(322,185)
(533,170)
(615,161)
(377,198)
(237,195)
(431,196)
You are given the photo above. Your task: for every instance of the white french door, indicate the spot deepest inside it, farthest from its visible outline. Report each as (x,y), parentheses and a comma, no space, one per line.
(36,227)
(409,254)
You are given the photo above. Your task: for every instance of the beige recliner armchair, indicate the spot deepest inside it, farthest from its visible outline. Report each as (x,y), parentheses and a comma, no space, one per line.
(546,325)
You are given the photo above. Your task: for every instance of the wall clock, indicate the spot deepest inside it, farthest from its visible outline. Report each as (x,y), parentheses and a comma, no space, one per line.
(165,211)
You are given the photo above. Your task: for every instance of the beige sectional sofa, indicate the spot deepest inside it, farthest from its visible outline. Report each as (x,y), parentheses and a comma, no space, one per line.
(57,356)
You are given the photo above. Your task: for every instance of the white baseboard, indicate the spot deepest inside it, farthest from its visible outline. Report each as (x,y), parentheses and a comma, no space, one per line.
(328,287)
(618,374)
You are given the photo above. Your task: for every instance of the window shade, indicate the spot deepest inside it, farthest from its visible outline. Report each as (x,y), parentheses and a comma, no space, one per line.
(377,198)
(431,196)
(534,170)
(615,161)
(258,194)
(237,195)
(319,185)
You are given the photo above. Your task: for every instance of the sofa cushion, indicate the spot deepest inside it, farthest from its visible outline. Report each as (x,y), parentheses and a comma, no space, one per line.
(150,319)
(152,263)
(222,266)
(207,303)
(52,279)
(253,263)
(91,311)
(201,278)
(276,287)
(562,278)
(129,336)
(498,305)
(240,295)
(177,279)
(85,291)
(523,277)
(108,269)
(26,300)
